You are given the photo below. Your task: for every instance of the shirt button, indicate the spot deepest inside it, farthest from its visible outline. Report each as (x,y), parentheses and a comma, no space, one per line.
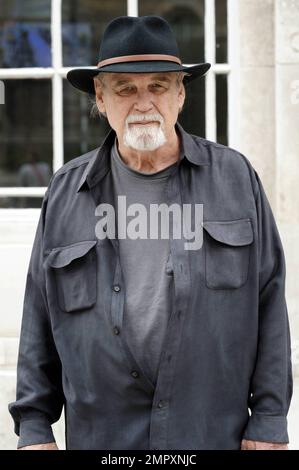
(162,404)
(135,374)
(116,330)
(116,288)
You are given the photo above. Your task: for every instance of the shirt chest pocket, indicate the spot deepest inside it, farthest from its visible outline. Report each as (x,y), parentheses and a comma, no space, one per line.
(227,253)
(75,273)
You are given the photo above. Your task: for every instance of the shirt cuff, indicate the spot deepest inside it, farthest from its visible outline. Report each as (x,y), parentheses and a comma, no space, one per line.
(35,431)
(266,428)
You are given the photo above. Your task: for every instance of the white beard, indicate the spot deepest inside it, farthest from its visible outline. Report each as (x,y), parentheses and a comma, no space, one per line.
(144,137)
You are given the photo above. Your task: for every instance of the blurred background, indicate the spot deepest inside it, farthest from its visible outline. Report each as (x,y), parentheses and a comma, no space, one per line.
(249,101)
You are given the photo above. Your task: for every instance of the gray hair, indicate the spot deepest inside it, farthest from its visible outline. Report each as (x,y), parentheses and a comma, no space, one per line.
(95,112)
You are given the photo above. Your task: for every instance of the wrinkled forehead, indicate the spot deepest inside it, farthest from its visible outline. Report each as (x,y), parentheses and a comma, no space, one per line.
(120,78)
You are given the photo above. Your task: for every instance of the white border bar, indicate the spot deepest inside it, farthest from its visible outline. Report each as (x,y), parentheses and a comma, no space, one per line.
(36,72)
(56,34)
(132,7)
(222,69)
(57,120)
(57,85)
(210,77)
(28,72)
(23,191)
(233,84)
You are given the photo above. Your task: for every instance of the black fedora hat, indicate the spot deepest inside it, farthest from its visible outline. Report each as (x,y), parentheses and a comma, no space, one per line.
(136,44)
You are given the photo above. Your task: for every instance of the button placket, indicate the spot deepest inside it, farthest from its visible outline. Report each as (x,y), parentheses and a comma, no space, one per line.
(117,296)
(182,282)
(117,312)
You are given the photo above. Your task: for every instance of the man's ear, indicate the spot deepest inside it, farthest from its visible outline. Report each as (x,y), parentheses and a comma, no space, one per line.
(182,96)
(99,96)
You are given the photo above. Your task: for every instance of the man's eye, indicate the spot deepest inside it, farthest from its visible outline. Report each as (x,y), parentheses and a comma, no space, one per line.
(158,87)
(128,89)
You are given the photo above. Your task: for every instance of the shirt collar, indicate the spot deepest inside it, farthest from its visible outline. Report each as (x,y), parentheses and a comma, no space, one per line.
(99,163)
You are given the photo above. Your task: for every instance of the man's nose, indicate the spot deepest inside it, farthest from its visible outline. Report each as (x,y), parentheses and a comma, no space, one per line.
(144,101)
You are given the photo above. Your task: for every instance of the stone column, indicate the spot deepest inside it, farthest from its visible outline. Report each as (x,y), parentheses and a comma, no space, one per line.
(287,151)
(257,89)
(269,122)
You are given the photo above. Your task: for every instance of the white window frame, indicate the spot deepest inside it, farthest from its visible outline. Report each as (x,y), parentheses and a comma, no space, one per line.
(57,73)
(231,69)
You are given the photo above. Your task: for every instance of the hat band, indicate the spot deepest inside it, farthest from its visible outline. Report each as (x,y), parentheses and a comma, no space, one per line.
(138,58)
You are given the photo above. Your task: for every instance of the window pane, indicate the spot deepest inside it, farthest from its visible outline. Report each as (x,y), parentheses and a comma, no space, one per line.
(221,30)
(26,133)
(192,117)
(221,109)
(81,132)
(83,23)
(186,20)
(20,202)
(25,39)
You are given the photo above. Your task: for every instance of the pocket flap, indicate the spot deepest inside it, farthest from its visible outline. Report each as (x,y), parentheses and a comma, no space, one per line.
(231,232)
(62,256)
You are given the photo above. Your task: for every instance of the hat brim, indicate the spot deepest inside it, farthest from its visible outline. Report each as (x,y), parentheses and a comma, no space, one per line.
(82,78)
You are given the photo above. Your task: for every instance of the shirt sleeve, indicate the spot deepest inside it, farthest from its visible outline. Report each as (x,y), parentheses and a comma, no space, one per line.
(39,396)
(272,383)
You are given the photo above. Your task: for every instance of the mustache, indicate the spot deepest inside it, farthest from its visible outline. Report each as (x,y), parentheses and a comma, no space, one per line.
(144,117)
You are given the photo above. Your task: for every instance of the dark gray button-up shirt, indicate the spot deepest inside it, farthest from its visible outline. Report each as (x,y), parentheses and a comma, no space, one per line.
(227,344)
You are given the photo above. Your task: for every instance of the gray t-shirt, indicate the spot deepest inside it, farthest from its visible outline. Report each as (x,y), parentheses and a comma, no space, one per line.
(146,266)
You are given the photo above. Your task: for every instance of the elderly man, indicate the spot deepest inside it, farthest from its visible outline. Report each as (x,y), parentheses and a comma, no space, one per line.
(147,344)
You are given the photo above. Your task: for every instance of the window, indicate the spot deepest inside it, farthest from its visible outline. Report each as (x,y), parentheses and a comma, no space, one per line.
(45,122)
